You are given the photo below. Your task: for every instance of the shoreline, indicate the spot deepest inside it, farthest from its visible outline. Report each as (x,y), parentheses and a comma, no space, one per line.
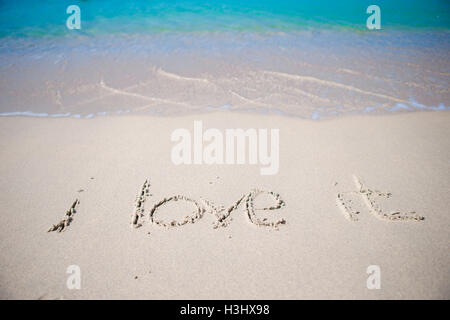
(213,111)
(309,75)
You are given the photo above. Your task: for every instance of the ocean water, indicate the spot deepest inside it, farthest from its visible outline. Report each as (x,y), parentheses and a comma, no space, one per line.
(312,59)
(47,18)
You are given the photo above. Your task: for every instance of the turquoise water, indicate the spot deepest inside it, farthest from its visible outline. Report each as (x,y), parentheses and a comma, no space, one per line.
(47,18)
(306,58)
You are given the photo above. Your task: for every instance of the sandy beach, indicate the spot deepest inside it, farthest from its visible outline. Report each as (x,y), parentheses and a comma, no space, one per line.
(225,150)
(319,252)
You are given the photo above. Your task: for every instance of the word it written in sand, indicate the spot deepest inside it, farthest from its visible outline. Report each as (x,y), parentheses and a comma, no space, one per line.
(369,196)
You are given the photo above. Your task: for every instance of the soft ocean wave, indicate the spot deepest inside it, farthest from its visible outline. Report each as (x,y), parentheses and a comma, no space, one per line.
(310,59)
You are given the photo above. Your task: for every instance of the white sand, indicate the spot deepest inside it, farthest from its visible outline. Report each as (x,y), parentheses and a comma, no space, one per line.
(318,253)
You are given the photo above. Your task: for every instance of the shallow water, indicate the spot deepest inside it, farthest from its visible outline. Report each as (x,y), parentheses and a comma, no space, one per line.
(44,18)
(311,59)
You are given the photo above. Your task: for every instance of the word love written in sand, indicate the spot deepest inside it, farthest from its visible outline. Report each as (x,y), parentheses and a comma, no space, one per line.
(205,206)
